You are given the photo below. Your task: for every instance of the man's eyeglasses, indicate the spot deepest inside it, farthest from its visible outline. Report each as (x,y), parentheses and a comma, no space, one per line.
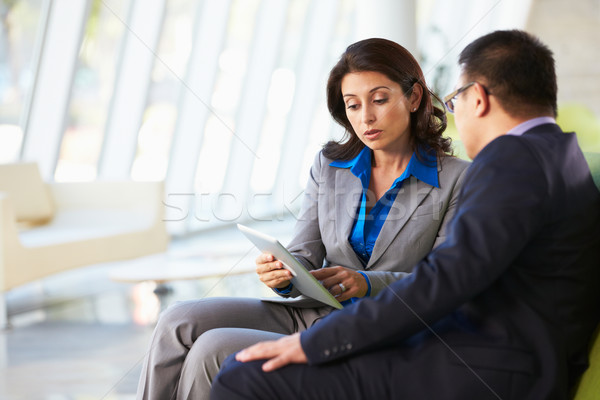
(449,100)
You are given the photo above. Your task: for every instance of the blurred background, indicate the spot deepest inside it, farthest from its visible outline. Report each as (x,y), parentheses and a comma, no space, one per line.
(222,102)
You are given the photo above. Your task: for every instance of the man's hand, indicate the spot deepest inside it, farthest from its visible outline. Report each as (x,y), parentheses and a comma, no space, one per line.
(280,353)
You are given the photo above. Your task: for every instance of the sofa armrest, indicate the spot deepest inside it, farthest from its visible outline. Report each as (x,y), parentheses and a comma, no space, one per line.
(9,232)
(9,237)
(31,202)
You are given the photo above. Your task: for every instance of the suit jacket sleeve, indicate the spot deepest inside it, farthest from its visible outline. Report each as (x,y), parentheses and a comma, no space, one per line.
(502,205)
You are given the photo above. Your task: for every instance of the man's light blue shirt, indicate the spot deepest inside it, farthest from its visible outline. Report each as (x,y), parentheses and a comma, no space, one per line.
(530,124)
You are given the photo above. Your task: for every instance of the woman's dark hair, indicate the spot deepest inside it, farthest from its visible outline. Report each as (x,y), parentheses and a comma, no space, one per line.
(389,58)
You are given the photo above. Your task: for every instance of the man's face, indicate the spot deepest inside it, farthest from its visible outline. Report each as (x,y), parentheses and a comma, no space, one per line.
(464,117)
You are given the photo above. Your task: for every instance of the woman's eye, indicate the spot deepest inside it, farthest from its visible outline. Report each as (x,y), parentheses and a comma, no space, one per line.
(380,101)
(352,106)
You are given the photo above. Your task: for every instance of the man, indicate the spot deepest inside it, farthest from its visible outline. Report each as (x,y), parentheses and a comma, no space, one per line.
(505,308)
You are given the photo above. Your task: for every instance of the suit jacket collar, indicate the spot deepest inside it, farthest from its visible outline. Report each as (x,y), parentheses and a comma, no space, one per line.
(544,128)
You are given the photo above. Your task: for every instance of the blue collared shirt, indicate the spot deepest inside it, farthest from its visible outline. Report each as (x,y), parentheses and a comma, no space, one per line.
(367,226)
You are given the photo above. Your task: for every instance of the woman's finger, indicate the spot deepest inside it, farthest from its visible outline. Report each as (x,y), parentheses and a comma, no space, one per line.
(338,275)
(275,277)
(265,258)
(342,291)
(324,273)
(268,267)
(345,283)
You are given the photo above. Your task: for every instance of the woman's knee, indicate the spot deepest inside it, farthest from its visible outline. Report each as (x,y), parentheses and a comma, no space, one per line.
(213,346)
(203,362)
(176,313)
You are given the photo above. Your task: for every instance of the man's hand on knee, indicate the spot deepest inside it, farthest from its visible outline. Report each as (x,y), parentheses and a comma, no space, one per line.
(287,350)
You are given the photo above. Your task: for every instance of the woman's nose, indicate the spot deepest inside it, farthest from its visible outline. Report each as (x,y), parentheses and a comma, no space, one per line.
(368,116)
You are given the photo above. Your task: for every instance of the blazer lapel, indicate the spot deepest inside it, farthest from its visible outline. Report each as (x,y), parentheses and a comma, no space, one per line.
(348,192)
(411,195)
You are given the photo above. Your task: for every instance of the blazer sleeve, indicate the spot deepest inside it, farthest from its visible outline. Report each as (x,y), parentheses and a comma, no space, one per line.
(307,245)
(502,206)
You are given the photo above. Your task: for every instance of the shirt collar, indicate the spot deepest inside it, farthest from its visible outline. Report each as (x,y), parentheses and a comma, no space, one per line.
(530,124)
(425,170)
(360,165)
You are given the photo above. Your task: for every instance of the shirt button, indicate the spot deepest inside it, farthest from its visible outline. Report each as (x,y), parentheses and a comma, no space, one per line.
(327,353)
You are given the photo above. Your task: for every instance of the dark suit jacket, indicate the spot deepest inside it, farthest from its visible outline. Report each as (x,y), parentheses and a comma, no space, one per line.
(507,304)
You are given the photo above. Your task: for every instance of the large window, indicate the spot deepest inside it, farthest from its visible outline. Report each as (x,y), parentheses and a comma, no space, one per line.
(279,101)
(160,117)
(322,128)
(21,27)
(92,91)
(220,126)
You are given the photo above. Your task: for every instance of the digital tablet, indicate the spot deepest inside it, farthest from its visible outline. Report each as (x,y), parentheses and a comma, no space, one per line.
(301,278)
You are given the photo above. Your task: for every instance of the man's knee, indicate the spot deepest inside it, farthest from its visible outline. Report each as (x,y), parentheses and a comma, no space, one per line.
(228,360)
(237,378)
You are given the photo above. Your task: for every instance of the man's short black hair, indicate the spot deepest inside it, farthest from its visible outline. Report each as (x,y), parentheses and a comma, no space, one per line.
(517,68)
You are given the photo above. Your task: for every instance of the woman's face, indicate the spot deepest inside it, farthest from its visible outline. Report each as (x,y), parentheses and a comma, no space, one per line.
(378,110)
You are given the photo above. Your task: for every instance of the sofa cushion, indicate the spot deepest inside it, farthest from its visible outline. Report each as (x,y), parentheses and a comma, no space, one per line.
(27,191)
(76,225)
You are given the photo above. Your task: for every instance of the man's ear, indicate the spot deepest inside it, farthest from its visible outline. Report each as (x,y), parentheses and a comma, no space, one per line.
(482,101)
(416,96)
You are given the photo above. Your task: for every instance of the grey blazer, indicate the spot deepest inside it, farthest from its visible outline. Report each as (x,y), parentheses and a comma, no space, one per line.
(415,224)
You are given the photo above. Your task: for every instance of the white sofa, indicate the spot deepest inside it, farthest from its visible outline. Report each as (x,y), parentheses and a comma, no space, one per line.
(47,228)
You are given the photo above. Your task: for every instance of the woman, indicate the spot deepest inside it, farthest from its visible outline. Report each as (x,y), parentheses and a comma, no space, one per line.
(376,203)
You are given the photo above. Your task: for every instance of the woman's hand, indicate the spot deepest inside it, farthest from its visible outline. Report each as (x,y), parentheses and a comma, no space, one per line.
(287,350)
(354,283)
(271,272)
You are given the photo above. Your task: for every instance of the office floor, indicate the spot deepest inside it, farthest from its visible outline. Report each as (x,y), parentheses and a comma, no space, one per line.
(81,335)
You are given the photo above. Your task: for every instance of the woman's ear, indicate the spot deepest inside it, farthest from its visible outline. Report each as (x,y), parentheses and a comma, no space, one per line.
(416,96)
